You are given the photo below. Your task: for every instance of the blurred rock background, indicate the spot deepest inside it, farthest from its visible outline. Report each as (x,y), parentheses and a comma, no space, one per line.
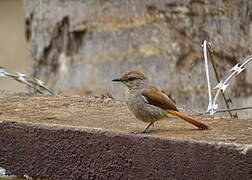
(78,46)
(13,45)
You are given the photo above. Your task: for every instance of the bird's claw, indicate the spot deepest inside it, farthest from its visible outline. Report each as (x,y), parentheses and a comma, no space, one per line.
(140,131)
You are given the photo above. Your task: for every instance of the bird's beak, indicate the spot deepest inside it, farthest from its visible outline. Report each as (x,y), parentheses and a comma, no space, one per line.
(118,79)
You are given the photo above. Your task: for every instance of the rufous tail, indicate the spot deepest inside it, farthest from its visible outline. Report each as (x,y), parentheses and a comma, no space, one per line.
(188,119)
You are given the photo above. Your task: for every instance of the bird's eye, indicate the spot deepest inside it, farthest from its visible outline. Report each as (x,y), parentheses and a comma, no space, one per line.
(131,78)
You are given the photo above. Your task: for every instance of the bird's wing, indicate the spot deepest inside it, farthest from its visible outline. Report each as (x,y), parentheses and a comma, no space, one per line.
(156,97)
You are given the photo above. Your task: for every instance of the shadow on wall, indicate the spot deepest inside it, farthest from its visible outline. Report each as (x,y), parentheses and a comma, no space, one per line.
(13,46)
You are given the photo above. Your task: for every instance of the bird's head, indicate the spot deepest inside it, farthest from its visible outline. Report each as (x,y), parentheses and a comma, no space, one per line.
(133,79)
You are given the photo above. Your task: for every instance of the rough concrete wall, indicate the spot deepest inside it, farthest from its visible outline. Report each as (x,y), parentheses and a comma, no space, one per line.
(84,44)
(57,152)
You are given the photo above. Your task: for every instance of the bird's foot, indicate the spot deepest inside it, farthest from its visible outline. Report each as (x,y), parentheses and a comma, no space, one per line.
(146,130)
(140,131)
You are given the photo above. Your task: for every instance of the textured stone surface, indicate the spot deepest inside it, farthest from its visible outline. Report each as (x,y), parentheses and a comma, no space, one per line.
(77,137)
(106,113)
(79,46)
(58,152)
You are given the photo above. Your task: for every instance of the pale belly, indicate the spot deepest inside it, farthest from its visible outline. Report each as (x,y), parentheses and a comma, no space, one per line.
(144,111)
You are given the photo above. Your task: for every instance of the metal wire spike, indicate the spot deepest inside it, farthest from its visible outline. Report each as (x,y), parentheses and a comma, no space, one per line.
(237,68)
(39,82)
(221,86)
(30,82)
(2,72)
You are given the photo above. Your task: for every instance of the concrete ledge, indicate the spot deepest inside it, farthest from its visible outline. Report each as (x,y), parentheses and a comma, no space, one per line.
(58,152)
(64,137)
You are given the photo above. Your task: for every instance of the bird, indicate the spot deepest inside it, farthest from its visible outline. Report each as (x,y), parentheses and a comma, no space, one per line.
(148,103)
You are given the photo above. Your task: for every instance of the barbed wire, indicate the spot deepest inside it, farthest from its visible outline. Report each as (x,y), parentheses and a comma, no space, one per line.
(34,83)
(233,109)
(210,105)
(223,84)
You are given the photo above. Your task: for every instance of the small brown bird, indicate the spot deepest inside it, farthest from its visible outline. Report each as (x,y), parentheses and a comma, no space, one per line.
(148,103)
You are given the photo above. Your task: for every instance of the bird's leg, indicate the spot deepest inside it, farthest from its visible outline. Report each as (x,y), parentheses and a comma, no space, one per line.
(145,129)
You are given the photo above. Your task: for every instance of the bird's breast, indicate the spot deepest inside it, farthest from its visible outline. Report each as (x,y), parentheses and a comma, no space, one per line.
(142,110)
